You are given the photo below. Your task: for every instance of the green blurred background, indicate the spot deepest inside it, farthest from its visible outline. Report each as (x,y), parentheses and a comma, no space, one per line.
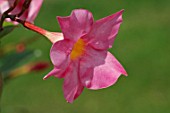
(141,46)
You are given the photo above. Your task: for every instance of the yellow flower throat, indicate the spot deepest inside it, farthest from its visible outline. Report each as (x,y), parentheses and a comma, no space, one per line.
(78,49)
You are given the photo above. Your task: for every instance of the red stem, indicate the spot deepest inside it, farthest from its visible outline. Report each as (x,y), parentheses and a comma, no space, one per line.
(34,28)
(52,37)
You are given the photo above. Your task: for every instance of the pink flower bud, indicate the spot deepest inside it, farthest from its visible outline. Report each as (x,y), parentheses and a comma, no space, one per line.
(30,13)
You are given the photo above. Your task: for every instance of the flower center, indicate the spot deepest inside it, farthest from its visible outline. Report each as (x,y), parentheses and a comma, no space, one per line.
(78,49)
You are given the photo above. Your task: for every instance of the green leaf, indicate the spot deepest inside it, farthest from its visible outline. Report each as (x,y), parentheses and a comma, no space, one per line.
(7,24)
(1,85)
(13,60)
(6,30)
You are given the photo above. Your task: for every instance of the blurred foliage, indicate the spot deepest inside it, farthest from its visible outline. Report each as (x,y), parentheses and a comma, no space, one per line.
(12,60)
(6,30)
(16,59)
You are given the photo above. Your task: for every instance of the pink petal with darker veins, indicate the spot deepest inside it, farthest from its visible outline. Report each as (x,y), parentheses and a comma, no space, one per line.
(72,86)
(90,59)
(107,74)
(59,54)
(104,31)
(76,25)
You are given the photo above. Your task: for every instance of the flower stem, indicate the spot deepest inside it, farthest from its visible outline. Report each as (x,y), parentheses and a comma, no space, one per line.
(1,88)
(34,28)
(52,36)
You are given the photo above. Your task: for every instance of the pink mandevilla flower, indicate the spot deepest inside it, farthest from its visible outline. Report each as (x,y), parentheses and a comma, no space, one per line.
(81,58)
(29,15)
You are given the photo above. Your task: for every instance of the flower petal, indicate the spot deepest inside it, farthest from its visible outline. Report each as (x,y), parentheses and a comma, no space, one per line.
(59,54)
(4,5)
(104,31)
(107,74)
(28,15)
(90,59)
(51,73)
(54,36)
(59,73)
(72,86)
(33,10)
(76,25)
